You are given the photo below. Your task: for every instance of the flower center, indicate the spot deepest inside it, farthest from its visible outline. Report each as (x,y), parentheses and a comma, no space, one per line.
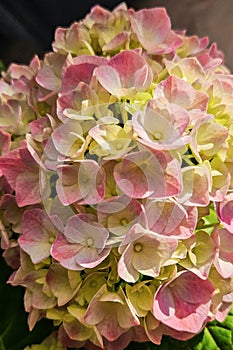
(138,247)
(90,242)
(124,222)
(84,178)
(157,135)
(51,239)
(119,146)
(160,204)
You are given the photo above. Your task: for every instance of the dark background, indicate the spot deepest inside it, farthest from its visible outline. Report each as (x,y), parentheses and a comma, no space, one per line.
(27,26)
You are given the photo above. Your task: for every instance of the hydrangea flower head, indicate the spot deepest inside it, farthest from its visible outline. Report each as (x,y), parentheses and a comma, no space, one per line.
(116,179)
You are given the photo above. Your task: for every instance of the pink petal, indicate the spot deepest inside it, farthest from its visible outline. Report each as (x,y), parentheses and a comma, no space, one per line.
(125,269)
(161,126)
(21,171)
(142,174)
(125,73)
(80,227)
(180,92)
(153,29)
(83,182)
(183,303)
(46,78)
(171,219)
(65,253)
(224,258)
(224,211)
(109,79)
(80,71)
(5,141)
(117,42)
(38,231)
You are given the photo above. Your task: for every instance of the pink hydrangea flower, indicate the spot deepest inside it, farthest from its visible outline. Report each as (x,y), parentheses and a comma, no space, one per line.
(82,182)
(120,213)
(23,176)
(181,93)
(161,126)
(83,243)
(111,313)
(69,140)
(116,153)
(80,69)
(122,82)
(171,219)
(38,234)
(153,29)
(143,251)
(223,260)
(148,174)
(224,211)
(184,302)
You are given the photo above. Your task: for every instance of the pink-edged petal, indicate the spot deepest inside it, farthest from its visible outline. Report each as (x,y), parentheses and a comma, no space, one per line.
(125,269)
(142,174)
(184,302)
(125,74)
(82,227)
(180,92)
(171,219)
(65,253)
(46,78)
(21,171)
(38,234)
(224,211)
(223,260)
(109,79)
(161,126)
(5,141)
(83,183)
(117,42)
(81,70)
(153,29)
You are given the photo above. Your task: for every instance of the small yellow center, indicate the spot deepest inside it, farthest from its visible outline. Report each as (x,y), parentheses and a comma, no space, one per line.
(160,204)
(84,178)
(90,242)
(157,136)
(138,247)
(119,146)
(124,222)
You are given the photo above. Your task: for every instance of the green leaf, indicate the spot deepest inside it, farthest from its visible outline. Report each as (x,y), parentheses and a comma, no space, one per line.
(2,67)
(14,332)
(222,337)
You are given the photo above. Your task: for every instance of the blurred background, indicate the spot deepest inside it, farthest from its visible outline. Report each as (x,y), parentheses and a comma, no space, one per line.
(27,26)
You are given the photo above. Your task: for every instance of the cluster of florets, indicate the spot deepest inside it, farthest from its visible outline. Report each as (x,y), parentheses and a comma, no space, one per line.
(116,208)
